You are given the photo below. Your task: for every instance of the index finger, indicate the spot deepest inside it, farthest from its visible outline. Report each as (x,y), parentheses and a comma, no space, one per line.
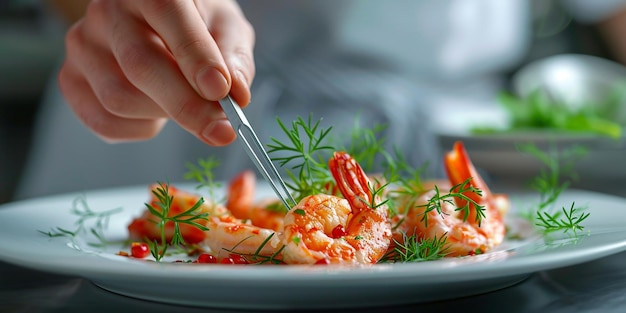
(185,34)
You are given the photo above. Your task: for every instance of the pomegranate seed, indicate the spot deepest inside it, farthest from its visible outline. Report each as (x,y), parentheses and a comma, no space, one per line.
(238,259)
(338,232)
(234,259)
(227,260)
(207,258)
(139,250)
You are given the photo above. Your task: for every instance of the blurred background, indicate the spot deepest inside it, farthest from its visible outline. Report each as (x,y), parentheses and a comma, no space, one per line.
(31,45)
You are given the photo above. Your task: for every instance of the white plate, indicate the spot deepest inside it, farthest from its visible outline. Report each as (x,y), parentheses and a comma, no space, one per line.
(282,287)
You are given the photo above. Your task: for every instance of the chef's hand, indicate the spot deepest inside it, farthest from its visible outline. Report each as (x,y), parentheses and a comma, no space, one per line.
(132,65)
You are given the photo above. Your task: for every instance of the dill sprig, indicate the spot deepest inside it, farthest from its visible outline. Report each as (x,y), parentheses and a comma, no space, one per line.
(376,190)
(457,191)
(190,216)
(398,171)
(415,249)
(85,214)
(257,257)
(202,173)
(366,145)
(550,183)
(305,150)
(557,174)
(569,220)
(407,183)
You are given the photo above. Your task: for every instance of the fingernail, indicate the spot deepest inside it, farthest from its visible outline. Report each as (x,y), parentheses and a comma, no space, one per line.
(242,79)
(242,89)
(219,133)
(212,84)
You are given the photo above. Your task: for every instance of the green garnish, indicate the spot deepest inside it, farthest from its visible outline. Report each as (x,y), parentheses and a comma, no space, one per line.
(399,172)
(457,191)
(190,216)
(375,192)
(407,183)
(550,183)
(203,174)
(414,249)
(81,209)
(366,145)
(557,173)
(538,111)
(308,171)
(569,220)
(257,257)
(299,212)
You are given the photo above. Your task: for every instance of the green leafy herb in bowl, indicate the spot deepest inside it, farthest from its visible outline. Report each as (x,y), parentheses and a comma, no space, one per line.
(538,111)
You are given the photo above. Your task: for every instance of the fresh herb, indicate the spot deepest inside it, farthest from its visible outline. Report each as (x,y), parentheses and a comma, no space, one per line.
(569,220)
(376,191)
(557,173)
(552,180)
(414,249)
(257,257)
(190,216)
(85,214)
(306,152)
(399,172)
(366,145)
(539,111)
(457,191)
(203,174)
(407,182)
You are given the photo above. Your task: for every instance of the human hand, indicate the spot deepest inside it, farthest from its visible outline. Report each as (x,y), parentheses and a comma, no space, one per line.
(132,65)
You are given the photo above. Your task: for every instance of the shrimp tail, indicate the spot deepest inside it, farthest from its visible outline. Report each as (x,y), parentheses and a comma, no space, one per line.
(351,179)
(460,168)
(241,194)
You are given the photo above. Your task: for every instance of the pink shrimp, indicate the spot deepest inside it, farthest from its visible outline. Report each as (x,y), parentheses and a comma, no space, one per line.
(227,233)
(329,229)
(144,226)
(241,203)
(465,234)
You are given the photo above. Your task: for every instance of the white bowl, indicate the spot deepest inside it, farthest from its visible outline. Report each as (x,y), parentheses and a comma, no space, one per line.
(576,79)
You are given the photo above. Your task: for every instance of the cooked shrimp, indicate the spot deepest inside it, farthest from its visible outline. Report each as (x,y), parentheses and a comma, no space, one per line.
(244,229)
(226,232)
(241,203)
(329,229)
(465,234)
(145,226)
(229,233)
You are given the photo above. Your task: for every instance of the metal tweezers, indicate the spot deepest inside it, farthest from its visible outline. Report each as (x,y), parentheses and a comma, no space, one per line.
(255,150)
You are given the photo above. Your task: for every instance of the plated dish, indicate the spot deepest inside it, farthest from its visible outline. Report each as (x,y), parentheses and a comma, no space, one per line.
(282,287)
